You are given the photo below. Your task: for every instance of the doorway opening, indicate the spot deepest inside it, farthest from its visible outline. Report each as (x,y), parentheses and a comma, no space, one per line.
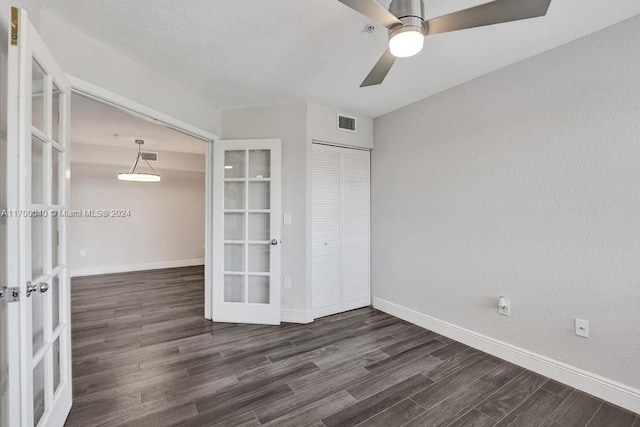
(118,226)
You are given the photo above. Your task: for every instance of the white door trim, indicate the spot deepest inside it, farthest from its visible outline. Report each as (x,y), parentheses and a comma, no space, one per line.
(84,88)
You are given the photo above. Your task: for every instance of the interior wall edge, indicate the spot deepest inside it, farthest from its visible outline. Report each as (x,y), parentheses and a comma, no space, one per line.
(612,391)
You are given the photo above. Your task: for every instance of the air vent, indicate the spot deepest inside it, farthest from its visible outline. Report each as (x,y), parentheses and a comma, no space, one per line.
(149,157)
(346,123)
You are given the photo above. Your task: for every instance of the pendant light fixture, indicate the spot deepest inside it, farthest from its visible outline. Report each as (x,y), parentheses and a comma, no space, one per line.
(132,175)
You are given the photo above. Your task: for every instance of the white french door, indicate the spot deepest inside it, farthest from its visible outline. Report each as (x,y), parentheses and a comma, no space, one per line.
(246,233)
(39,358)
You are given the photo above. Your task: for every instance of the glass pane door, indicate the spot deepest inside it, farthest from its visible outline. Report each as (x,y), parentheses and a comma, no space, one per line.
(37,180)
(247,246)
(248,177)
(47,273)
(4,280)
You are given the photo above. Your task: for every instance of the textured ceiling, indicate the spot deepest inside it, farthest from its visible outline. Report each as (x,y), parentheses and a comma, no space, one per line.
(264,52)
(96,123)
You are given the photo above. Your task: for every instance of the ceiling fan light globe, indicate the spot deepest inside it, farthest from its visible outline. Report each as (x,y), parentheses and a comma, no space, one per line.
(406,43)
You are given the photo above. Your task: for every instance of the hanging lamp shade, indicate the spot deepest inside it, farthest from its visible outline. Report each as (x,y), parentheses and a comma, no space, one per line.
(132,175)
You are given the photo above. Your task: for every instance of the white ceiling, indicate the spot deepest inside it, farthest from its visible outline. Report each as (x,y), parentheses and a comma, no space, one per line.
(95,123)
(265,52)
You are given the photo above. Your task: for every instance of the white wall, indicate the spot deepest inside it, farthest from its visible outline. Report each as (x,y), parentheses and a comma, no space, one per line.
(523,183)
(91,60)
(166,227)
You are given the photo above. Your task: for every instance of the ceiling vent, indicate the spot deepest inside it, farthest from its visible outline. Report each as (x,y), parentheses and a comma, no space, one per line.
(346,123)
(149,156)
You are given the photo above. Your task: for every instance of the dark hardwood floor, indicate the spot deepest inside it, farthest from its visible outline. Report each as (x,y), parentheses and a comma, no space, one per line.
(144,356)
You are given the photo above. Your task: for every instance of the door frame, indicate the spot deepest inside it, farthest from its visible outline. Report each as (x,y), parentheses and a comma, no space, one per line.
(97,93)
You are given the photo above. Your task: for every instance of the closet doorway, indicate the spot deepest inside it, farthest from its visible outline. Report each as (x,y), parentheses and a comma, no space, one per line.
(340,229)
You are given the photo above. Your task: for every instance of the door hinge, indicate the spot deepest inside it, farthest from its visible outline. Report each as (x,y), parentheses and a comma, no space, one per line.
(14,26)
(10,294)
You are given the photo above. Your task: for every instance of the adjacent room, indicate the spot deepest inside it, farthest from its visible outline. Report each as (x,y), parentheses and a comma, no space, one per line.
(320,213)
(124,226)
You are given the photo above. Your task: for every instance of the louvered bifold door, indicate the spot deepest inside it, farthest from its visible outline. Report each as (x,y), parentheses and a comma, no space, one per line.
(340,229)
(326,230)
(355,229)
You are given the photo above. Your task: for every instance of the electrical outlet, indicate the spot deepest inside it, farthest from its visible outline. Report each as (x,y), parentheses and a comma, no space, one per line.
(287,282)
(582,328)
(504,306)
(83,253)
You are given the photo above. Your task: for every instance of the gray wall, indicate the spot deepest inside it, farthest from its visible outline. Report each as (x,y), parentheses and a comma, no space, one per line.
(523,183)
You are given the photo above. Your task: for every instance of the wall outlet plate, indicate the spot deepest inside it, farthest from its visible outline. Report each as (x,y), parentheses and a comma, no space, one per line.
(287,282)
(504,307)
(582,328)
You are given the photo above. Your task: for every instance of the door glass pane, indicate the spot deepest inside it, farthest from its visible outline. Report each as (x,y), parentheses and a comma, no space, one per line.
(259,224)
(55,114)
(234,257)
(56,364)
(259,256)
(259,195)
(37,316)
(55,236)
(37,104)
(55,300)
(234,164)
(259,289)
(259,164)
(56,166)
(233,288)
(38,392)
(37,171)
(37,246)
(234,226)
(234,195)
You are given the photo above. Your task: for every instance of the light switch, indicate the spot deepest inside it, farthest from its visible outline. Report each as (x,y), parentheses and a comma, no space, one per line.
(287,219)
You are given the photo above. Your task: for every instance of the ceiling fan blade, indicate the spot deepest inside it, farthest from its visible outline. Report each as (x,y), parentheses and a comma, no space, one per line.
(380,70)
(372,9)
(495,12)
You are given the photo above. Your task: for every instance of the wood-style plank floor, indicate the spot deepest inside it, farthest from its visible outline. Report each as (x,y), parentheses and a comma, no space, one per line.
(144,356)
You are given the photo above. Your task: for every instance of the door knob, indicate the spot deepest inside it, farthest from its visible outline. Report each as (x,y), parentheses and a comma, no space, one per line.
(274,242)
(41,287)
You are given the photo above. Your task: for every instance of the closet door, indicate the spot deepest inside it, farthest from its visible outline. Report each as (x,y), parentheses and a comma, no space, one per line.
(326,183)
(340,229)
(355,229)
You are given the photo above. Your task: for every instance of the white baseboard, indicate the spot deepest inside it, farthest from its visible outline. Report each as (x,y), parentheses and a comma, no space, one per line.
(604,388)
(94,271)
(296,316)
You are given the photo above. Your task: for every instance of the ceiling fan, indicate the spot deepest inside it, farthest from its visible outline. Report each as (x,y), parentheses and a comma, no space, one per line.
(408,27)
